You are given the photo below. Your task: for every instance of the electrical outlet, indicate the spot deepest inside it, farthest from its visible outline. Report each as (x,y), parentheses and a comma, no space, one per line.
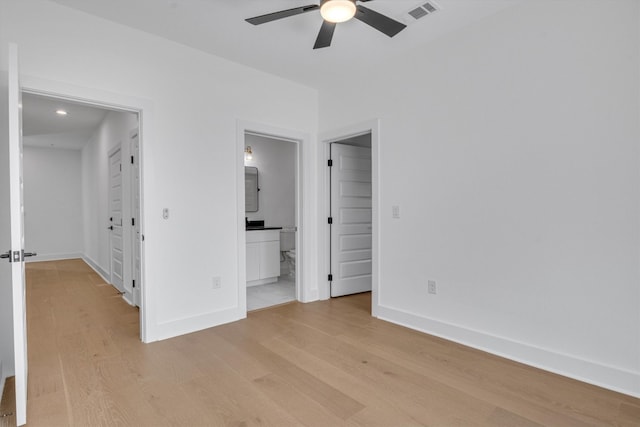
(217,282)
(395,211)
(431,287)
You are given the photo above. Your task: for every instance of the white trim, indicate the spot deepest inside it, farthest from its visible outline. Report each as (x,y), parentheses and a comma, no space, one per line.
(2,381)
(101,271)
(369,126)
(53,257)
(305,282)
(587,371)
(126,298)
(261,281)
(176,327)
(144,109)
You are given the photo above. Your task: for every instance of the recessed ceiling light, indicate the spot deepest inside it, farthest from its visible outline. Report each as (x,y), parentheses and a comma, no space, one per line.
(61,112)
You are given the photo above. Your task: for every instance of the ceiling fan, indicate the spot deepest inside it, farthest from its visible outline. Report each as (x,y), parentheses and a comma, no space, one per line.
(334,12)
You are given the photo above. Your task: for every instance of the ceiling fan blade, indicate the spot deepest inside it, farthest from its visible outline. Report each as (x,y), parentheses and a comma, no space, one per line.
(262,19)
(325,35)
(382,23)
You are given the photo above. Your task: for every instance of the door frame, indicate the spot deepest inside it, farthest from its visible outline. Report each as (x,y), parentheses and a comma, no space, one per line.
(324,238)
(302,140)
(117,102)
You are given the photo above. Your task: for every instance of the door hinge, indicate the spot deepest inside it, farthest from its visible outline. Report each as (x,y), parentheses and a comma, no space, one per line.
(120,167)
(133,222)
(131,159)
(330,277)
(330,220)
(330,163)
(134,283)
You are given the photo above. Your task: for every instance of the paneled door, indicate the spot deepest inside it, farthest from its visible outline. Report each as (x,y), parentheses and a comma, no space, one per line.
(115,219)
(351,227)
(135,203)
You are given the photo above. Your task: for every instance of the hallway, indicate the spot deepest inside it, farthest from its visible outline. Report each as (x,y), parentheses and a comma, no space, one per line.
(79,329)
(326,363)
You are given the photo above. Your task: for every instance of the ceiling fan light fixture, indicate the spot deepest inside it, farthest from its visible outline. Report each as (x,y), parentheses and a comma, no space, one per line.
(337,11)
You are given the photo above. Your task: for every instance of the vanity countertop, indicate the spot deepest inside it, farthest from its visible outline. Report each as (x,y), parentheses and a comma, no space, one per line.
(261,227)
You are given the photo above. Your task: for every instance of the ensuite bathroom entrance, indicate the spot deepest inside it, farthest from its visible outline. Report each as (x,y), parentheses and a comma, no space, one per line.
(270,220)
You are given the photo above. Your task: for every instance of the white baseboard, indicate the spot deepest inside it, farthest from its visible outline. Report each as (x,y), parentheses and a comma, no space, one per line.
(609,377)
(105,276)
(127,297)
(3,378)
(177,327)
(310,295)
(53,257)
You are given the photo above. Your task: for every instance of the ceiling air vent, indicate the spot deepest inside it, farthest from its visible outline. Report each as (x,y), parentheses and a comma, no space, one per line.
(418,12)
(424,10)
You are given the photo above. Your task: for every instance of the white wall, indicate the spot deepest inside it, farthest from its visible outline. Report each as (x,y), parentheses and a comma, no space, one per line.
(189,163)
(276,163)
(52,203)
(512,148)
(113,132)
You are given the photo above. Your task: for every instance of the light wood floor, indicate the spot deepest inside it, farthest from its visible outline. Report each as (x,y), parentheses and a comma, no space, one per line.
(321,364)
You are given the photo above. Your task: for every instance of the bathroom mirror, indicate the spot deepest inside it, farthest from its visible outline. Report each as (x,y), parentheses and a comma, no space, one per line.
(251,189)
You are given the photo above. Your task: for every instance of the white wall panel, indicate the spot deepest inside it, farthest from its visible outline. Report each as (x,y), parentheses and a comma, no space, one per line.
(513,150)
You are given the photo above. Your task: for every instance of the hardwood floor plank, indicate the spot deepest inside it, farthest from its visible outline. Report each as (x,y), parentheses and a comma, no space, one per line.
(423,398)
(475,372)
(236,400)
(329,397)
(305,409)
(327,363)
(8,404)
(386,411)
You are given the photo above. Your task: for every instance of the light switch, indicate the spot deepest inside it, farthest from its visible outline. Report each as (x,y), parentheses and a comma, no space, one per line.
(395,211)
(165,213)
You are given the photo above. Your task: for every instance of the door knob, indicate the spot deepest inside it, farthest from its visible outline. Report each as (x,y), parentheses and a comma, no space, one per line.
(16,255)
(110,227)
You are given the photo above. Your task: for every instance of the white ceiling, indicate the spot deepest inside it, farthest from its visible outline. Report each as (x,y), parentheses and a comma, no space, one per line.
(42,127)
(284,47)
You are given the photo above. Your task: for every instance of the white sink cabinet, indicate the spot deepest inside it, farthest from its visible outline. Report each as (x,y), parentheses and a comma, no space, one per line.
(263,256)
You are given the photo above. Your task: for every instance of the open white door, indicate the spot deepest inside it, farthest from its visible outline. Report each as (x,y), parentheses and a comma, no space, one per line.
(351,227)
(16,254)
(135,205)
(115,219)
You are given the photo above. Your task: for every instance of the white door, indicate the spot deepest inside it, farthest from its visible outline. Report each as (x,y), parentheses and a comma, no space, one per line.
(135,203)
(16,254)
(351,219)
(115,219)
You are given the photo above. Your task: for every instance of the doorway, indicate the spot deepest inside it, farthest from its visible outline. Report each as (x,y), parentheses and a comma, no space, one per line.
(364,135)
(350,219)
(271,212)
(98,146)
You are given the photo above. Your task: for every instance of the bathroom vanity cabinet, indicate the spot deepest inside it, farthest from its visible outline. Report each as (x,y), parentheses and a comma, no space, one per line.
(263,256)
